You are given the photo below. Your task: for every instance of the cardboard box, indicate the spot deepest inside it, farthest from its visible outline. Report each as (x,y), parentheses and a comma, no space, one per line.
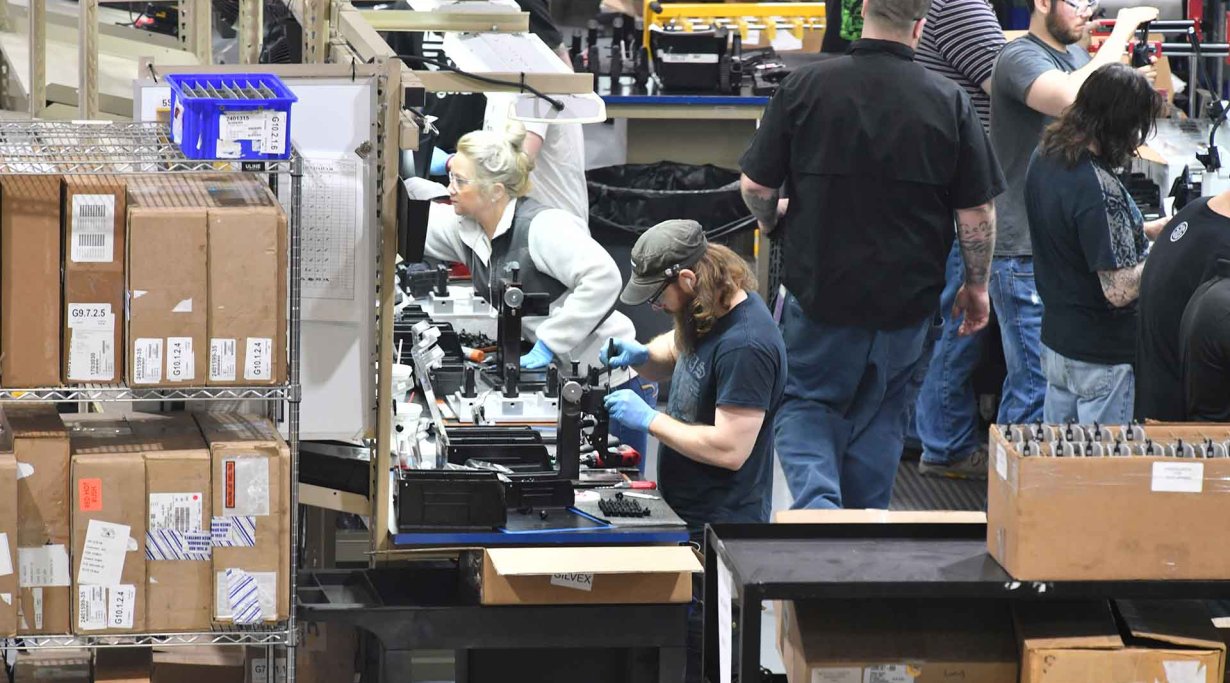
(327,653)
(878,517)
(247,283)
(8,537)
(40,444)
(109,522)
(167,283)
(921,641)
(582,576)
(95,217)
(30,291)
(1075,642)
(52,666)
(199,664)
(251,475)
(122,665)
(1110,518)
(179,596)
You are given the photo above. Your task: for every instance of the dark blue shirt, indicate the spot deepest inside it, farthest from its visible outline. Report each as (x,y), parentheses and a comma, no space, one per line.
(741,363)
(1082,220)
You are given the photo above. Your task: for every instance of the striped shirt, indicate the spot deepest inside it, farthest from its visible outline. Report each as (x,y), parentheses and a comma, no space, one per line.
(960,41)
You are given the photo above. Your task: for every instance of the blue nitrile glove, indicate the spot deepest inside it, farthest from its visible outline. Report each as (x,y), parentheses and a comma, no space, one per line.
(628,353)
(538,358)
(439,161)
(629,409)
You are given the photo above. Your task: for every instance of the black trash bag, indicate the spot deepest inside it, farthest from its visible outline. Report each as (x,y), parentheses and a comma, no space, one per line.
(632,198)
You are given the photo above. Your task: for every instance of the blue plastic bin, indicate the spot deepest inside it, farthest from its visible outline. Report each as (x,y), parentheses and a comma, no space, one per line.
(231,116)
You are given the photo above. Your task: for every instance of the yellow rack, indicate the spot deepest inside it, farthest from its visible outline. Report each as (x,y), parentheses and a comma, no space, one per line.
(794,16)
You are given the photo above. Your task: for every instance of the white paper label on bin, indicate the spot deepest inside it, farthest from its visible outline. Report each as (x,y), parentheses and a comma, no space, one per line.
(889,673)
(121,603)
(91,346)
(221,360)
(102,557)
(274,140)
(843,674)
(1185,671)
(228,150)
(181,361)
(241,125)
(246,482)
(258,359)
(45,565)
(580,582)
(91,608)
(1178,477)
(147,361)
(6,557)
(93,230)
(1001,462)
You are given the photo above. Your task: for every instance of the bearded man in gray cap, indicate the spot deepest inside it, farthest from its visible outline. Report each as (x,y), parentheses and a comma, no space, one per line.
(726,363)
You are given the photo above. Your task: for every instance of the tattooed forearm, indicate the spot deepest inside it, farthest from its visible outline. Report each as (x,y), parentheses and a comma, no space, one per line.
(976,233)
(1121,287)
(762,202)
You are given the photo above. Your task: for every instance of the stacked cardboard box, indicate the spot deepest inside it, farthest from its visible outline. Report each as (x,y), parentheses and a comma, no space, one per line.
(40,445)
(199,664)
(94,216)
(30,290)
(52,666)
(251,523)
(109,521)
(122,665)
(8,533)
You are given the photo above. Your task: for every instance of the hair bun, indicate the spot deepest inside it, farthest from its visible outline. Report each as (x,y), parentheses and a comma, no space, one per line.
(514,134)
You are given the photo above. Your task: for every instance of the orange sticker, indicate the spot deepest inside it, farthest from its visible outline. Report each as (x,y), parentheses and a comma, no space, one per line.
(89,494)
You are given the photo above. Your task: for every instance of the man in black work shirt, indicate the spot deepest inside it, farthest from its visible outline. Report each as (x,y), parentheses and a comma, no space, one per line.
(876,153)
(1205,335)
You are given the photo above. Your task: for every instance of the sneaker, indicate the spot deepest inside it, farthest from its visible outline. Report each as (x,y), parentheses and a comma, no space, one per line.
(973,467)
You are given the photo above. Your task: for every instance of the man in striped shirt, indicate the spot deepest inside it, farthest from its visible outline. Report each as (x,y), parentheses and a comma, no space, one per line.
(960,41)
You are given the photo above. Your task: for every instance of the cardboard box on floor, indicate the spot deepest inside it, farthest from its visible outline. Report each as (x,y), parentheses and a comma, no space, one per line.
(8,534)
(582,576)
(30,290)
(1110,518)
(122,665)
(52,666)
(177,543)
(921,641)
(1075,642)
(247,282)
(198,664)
(40,445)
(167,282)
(109,521)
(251,475)
(94,217)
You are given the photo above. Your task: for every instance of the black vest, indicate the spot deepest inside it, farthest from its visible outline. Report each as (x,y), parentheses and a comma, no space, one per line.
(513,246)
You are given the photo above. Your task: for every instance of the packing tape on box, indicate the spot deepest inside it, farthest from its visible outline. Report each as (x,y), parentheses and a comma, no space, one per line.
(243,597)
(233,532)
(172,544)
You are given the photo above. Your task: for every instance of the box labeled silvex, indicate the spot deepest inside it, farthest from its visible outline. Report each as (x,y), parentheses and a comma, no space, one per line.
(1100,503)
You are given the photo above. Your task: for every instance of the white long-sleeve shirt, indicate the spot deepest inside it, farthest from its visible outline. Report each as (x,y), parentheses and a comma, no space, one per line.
(560,247)
(558,178)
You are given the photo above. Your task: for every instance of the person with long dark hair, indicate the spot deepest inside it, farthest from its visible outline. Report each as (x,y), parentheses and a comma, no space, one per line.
(1089,243)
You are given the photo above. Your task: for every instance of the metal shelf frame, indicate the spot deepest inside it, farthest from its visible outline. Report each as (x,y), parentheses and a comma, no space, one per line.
(64,148)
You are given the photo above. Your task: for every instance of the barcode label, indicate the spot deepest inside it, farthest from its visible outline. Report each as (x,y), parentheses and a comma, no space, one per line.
(147,361)
(182,512)
(93,232)
(181,361)
(222,360)
(258,365)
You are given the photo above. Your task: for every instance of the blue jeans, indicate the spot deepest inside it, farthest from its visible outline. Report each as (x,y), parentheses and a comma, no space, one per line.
(946,413)
(838,432)
(628,436)
(1019,309)
(1087,392)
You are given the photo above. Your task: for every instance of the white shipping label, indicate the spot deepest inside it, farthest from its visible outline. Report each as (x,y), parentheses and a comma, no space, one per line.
(91,346)
(222,360)
(1178,477)
(147,361)
(93,231)
(580,582)
(91,317)
(181,361)
(890,673)
(258,361)
(837,675)
(91,608)
(246,482)
(182,512)
(45,565)
(102,557)
(1001,462)
(121,604)
(276,134)
(228,150)
(37,595)
(1180,671)
(242,125)
(6,555)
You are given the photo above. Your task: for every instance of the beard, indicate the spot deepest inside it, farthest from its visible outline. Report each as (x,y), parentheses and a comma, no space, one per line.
(686,332)
(1061,33)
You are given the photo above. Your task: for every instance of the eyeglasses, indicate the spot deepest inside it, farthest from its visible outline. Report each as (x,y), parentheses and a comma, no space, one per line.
(457,180)
(1090,6)
(672,274)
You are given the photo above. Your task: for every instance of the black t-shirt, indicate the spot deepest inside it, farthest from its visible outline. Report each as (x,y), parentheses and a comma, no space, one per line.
(1184,256)
(741,362)
(1081,221)
(876,153)
(1205,335)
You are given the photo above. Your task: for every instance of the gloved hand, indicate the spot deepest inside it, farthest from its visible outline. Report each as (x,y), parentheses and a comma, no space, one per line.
(538,358)
(628,353)
(629,409)
(439,161)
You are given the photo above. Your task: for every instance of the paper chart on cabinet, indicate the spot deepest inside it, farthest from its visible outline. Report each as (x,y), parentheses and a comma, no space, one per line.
(332,206)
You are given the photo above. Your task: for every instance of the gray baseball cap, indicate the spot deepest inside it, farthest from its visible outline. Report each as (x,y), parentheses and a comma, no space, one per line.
(660,253)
